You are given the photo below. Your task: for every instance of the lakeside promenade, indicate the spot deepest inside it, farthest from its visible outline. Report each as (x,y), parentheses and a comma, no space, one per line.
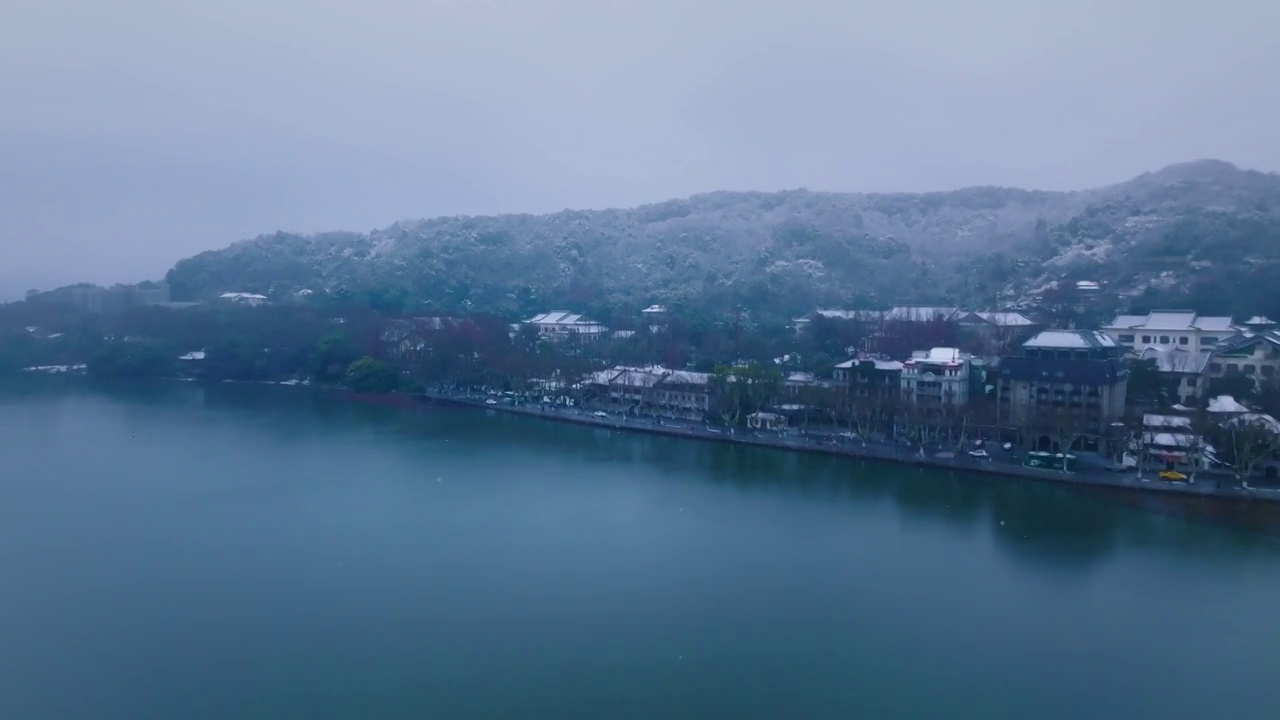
(1207,485)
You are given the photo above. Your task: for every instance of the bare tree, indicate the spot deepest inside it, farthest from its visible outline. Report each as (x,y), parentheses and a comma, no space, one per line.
(1249,439)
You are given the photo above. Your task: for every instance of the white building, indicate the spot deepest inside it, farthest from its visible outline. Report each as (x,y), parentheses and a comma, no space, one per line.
(243,298)
(562,325)
(1168,329)
(1184,368)
(936,378)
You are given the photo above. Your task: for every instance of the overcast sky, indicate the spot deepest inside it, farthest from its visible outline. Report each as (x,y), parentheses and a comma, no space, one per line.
(137,132)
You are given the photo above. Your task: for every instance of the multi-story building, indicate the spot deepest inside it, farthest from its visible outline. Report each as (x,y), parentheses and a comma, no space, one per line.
(936,379)
(868,376)
(1253,354)
(654,390)
(1184,370)
(997,329)
(1063,377)
(1169,329)
(567,326)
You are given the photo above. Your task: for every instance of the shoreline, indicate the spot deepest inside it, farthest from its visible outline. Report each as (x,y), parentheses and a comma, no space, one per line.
(1151,486)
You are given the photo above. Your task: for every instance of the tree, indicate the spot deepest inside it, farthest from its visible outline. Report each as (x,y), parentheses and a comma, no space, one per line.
(1237,385)
(368,375)
(331,359)
(1245,441)
(134,360)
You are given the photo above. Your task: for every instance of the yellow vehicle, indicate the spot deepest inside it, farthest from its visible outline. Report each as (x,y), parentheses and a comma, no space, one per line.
(1172,475)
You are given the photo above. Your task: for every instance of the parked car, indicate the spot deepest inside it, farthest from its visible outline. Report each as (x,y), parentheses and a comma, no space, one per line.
(600,414)
(1172,475)
(490,402)
(980,454)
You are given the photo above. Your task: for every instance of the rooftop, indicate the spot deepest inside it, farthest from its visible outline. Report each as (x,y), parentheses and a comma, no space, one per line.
(1177,361)
(884,365)
(655,309)
(940,354)
(1248,339)
(1226,404)
(921,313)
(1171,320)
(1070,339)
(865,315)
(560,317)
(1005,319)
(1165,421)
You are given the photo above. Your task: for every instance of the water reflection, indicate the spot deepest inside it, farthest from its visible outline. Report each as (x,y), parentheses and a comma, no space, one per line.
(1041,525)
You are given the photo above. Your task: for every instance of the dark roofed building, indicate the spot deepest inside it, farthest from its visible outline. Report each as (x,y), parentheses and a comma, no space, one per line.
(1077,376)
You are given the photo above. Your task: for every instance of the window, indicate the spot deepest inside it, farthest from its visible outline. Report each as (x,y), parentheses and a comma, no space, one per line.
(1126,339)
(1208,340)
(1215,367)
(1191,382)
(1250,369)
(1164,339)
(1232,367)
(1183,340)
(1146,338)
(1268,370)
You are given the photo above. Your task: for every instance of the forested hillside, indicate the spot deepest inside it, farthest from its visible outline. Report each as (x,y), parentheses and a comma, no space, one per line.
(1204,234)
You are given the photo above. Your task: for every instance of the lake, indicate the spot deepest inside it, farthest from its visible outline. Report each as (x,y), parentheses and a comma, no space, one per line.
(179,551)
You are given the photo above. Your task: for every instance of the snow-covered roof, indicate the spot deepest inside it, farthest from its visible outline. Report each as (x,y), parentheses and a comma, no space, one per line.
(242,296)
(1086,285)
(1165,421)
(920,313)
(1170,439)
(1070,339)
(1226,404)
(193,355)
(1171,320)
(560,317)
(801,377)
(1005,319)
(687,377)
(866,315)
(1259,320)
(1177,361)
(940,354)
(878,364)
(655,309)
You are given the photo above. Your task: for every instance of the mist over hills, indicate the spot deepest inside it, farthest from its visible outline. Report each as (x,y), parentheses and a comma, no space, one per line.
(1205,234)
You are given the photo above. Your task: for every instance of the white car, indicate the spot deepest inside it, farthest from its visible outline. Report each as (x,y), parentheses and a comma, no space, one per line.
(490,402)
(600,414)
(980,454)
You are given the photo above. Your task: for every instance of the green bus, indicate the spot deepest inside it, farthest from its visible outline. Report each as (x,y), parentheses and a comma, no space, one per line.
(1049,461)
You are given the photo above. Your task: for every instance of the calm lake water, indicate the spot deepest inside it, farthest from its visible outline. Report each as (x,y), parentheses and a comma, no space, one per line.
(255,552)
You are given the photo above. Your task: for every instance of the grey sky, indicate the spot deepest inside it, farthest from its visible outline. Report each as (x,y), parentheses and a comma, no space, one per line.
(134,133)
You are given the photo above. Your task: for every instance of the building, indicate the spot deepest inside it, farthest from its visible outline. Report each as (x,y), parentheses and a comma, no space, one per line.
(656,317)
(869,376)
(562,325)
(863,316)
(1184,370)
(936,379)
(921,313)
(654,390)
(243,298)
(1253,354)
(1168,329)
(1074,378)
(997,329)
(1169,442)
(410,339)
(117,298)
